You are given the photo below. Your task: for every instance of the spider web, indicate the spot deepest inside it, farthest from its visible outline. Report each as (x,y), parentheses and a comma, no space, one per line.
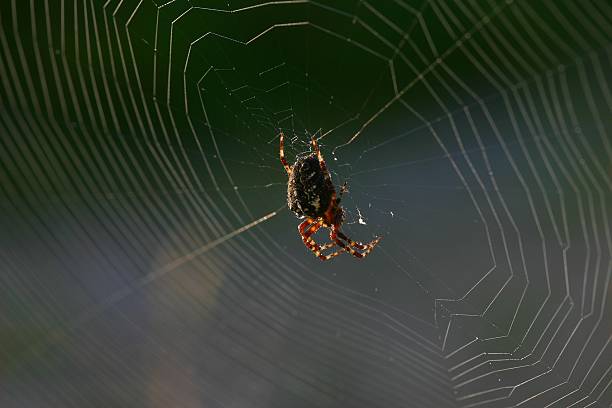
(148,257)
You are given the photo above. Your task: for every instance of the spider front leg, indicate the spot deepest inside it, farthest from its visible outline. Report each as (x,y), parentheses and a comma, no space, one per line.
(358,245)
(282,153)
(335,236)
(330,256)
(318,249)
(307,229)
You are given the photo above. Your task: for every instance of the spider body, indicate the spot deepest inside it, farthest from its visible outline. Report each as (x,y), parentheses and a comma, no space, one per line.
(312,195)
(310,192)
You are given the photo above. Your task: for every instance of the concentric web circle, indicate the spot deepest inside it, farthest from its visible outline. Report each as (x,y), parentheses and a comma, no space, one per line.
(148,258)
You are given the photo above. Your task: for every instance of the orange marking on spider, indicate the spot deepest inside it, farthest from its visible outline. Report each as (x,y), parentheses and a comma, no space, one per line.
(312,195)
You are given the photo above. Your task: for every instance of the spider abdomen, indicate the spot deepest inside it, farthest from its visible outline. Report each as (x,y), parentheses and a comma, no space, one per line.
(309,191)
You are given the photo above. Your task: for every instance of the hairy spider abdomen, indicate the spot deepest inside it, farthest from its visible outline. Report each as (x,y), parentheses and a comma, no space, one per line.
(309,191)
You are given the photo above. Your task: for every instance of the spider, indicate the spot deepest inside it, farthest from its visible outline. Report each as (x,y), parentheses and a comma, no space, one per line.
(312,195)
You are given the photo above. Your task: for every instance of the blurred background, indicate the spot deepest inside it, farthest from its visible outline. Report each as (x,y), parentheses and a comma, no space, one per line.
(147,256)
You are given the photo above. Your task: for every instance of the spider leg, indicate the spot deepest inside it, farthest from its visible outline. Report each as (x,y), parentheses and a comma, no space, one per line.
(282,153)
(358,245)
(318,249)
(329,256)
(344,188)
(315,148)
(307,229)
(334,236)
